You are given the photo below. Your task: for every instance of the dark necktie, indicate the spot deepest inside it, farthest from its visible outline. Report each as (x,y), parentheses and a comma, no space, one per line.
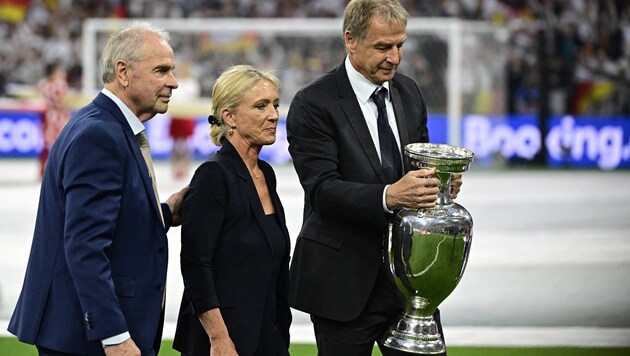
(390,154)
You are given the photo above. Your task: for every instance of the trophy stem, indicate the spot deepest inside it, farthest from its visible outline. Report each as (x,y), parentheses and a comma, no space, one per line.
(444,195)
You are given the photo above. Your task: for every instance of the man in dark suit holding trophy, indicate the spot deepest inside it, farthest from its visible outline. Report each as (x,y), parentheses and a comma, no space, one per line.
(345,133)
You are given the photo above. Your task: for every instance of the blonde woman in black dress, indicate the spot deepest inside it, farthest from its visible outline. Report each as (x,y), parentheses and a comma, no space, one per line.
(235,244)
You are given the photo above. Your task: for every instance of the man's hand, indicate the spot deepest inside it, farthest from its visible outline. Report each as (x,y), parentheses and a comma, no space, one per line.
(222,347)
(456,184)
(414,190)
(126,348)
(175,203)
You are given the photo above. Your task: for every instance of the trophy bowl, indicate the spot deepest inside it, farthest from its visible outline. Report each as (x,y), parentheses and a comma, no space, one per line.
(427,251)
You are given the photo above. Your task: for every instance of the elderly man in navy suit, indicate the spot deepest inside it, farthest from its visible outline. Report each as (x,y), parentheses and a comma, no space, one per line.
(97,269)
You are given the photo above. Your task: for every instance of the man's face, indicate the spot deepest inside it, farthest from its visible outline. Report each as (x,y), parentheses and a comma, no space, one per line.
(380,53)
(151,80)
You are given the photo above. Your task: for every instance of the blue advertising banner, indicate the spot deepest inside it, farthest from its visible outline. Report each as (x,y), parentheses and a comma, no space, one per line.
(437,124)
(574,142)
(601,142)
(20,133)
(589,141)
(507,137)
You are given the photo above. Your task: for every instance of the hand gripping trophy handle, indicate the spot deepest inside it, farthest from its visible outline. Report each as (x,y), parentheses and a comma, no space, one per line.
(427,251)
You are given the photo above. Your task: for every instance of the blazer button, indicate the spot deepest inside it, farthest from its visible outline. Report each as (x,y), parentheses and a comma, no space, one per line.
(160,287)
(162,249)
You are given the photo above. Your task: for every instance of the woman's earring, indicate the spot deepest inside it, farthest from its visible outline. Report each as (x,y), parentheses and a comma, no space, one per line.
(231,130)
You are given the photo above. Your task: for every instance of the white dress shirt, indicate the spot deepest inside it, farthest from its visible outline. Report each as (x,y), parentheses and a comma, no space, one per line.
(363,89)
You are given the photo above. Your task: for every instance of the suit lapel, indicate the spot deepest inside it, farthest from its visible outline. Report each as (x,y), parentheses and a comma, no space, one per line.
(103,101)
(353,112)
(401,121)
(247,185)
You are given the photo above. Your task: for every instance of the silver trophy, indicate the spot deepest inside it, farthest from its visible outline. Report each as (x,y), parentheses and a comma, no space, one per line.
(427,251)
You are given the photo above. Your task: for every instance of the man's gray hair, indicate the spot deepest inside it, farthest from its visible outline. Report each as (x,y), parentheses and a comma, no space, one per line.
(126,45)
(359,13)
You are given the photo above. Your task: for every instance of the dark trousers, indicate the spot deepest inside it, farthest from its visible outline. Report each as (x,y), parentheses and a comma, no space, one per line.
(357,337)
(158,336)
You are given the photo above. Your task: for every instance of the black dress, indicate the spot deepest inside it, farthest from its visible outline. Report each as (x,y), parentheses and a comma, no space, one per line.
(234,258)
(270,341)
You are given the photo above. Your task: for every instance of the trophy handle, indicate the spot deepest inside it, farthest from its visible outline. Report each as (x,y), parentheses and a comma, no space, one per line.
(392,242)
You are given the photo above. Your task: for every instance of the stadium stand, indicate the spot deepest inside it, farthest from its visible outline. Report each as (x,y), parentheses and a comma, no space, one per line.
(586,42)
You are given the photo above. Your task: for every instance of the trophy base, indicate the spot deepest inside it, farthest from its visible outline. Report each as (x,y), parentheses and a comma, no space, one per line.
(415,335)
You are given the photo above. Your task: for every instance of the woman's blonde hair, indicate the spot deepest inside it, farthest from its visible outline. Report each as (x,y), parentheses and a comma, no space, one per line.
(228,92)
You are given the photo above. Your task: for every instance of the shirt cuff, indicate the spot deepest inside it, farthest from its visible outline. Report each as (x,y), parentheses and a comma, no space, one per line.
(117,339)
(385,200)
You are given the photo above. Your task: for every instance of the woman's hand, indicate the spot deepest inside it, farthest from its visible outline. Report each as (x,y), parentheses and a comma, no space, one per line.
(220,342)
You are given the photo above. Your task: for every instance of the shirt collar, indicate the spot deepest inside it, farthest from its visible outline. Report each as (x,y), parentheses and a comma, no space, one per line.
(133,121)
(363,87)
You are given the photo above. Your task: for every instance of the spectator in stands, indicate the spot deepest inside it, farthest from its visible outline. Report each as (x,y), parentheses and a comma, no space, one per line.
(3,78)
(182,125)
(54,90)
(26,44)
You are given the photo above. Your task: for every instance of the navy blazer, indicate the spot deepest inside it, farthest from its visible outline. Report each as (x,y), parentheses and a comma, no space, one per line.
(98,260)
(226,257)
(340,247)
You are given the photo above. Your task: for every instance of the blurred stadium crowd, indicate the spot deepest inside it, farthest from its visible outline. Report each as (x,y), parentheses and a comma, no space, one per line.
(581,47)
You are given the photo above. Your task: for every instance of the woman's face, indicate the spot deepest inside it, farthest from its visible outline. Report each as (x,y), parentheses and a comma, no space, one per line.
(256,118)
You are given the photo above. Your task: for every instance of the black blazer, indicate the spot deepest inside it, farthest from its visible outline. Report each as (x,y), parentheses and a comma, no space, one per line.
(340,246)
(226,258)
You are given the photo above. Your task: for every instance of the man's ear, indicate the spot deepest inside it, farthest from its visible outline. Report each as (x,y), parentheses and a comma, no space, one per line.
(122,73)
(349,41)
